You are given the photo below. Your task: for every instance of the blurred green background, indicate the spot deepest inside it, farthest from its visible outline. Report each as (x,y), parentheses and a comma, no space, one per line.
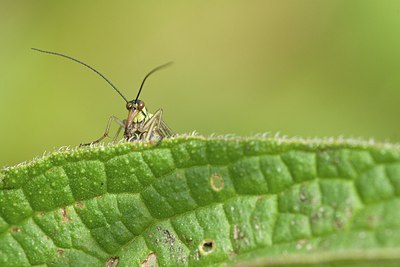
(301,67)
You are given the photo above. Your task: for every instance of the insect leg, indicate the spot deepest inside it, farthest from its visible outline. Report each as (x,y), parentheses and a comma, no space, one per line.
(110,120)
(156,124)
(149,127)
(167,131)
(119,131)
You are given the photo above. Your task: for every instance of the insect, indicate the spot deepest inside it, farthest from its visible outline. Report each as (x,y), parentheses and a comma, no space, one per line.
(140,125)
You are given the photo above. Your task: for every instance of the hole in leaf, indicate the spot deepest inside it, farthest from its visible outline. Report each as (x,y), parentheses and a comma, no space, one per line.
(150,261)
(15,229)
(112,262)
(64,214)
(60,252)
(79,205)
(216,182)
(206,247)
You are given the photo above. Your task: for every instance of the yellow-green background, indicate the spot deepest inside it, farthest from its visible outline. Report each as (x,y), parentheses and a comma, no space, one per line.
(304,68)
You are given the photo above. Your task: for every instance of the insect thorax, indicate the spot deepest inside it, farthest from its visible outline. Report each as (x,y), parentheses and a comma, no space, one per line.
(136,129)
(142,117)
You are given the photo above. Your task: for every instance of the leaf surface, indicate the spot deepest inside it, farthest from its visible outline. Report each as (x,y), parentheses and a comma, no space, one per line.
(201,202)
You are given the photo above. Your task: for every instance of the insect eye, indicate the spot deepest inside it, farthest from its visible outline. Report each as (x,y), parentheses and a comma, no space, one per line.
(140,105)
(129,105)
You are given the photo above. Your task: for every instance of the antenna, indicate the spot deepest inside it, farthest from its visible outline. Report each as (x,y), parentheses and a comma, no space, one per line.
(93,69)
(148,74)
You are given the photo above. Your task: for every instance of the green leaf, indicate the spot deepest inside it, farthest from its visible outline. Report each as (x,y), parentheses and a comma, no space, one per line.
(202,202)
